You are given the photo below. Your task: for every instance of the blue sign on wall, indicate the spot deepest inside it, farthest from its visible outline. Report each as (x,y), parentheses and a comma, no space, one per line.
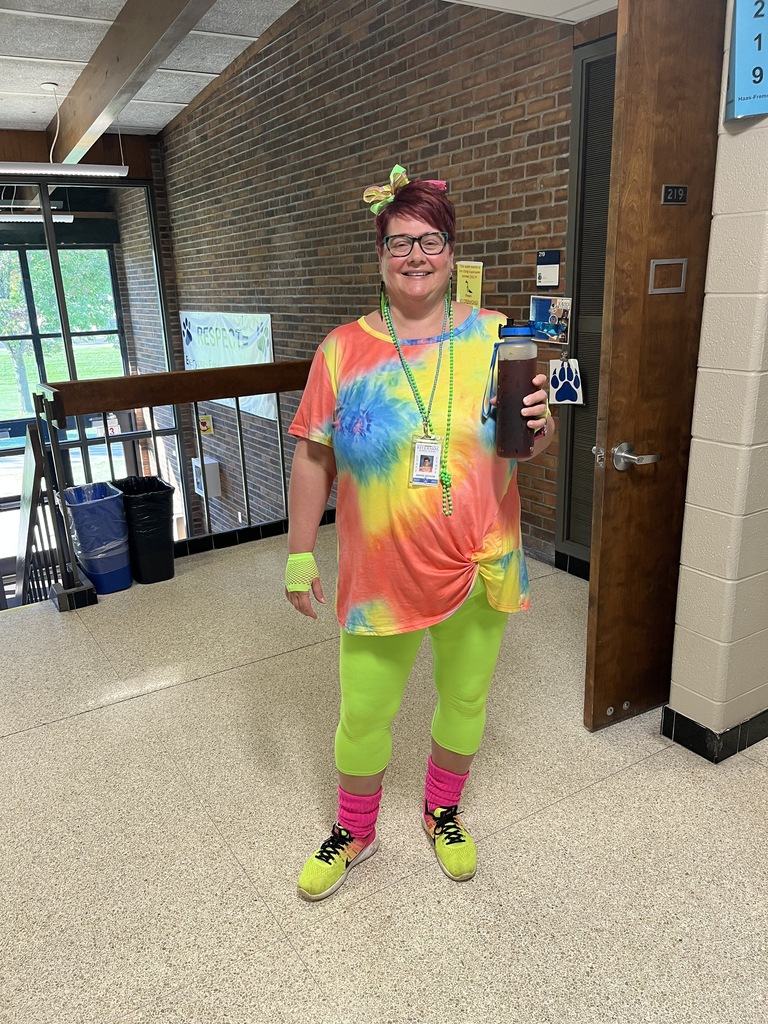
(747,94)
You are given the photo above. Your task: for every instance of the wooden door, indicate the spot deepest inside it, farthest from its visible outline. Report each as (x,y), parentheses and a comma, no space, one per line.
(668,70)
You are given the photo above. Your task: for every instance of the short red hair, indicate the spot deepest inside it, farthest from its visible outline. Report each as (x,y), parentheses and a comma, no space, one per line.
(420,200)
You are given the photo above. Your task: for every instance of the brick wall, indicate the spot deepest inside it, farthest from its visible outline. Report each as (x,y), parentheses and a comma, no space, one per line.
(265,172)
(138,281)
(144,329)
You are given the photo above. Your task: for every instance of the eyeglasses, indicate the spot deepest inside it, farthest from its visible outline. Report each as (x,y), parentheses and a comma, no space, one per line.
(431,244)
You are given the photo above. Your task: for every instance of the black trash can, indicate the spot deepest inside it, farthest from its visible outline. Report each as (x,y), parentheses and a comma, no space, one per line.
(148,502)
(100,534)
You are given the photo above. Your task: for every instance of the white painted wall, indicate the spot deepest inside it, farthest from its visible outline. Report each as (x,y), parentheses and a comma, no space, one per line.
(720,665)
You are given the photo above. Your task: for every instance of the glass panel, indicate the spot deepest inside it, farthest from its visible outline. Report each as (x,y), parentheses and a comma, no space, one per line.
(51,342)
(54,359)
(100,462)
(25,321)
(165,417)
(114,318)
(264,469)
(139,290)
(9,531)
(15,350)
(167,468)
(87,279)
(123,230)
(14,314)
(11,467)
(73,467)
(95,425)
(98,355)
(43,292)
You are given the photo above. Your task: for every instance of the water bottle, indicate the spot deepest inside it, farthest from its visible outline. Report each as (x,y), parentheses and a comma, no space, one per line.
(516,358)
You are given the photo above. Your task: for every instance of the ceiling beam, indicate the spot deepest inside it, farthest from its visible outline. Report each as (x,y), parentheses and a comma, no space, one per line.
(141,37)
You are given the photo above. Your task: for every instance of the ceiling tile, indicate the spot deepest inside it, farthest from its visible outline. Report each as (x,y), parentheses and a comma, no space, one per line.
(173,86)
(243,17)
(138,118)
(24,113)
(71,39)
(107,10)
(49,45)
(25,76)
(207,53)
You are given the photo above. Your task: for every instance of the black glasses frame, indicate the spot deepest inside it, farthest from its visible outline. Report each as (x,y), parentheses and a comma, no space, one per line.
(413,239)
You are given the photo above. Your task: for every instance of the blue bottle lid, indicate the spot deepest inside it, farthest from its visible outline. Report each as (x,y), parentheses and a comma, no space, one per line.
(515,331)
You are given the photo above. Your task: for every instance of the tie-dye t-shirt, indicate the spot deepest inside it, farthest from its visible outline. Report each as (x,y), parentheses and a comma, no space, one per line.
(403,564)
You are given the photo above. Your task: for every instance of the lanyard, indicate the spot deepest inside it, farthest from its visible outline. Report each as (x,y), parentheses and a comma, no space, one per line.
(425,413)
(445,476)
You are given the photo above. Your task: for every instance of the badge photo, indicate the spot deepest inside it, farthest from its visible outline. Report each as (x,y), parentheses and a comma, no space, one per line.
(425,461)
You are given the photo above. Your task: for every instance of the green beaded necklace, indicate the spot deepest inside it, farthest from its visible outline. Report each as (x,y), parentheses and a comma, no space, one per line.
(424,412)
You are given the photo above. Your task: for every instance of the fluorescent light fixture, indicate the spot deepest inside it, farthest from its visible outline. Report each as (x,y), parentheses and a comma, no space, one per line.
(26,206)
(52,170)
(38,170)
(35,218)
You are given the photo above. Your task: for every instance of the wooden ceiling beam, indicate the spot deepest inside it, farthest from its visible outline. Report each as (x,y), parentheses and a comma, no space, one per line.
(141,37)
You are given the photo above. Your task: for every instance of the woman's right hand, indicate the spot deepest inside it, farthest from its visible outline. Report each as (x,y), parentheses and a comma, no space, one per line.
(301,600)
(312,475)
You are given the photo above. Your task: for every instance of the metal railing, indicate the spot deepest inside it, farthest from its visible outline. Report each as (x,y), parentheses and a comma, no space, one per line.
(46,562)
(45,565)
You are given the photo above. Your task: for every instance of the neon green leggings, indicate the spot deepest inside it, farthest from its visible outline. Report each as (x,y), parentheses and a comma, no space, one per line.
(375,669)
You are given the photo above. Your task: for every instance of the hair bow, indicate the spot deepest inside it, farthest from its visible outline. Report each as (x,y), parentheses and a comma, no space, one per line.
(378,196)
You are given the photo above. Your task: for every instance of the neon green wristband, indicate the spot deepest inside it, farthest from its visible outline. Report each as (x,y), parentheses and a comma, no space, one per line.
(300,571)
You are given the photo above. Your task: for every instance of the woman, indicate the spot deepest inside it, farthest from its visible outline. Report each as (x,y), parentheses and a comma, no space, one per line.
(419,552)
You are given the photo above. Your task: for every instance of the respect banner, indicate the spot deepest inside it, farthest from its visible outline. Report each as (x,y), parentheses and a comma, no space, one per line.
(230,339)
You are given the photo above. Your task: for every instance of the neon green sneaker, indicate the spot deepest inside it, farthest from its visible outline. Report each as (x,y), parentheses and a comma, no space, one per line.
(327,869)
(454,846)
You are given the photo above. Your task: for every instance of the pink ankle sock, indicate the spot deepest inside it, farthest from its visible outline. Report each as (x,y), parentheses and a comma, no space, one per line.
(358,814)
(442,788)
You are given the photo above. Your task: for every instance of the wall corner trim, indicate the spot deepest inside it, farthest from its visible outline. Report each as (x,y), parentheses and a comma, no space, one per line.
(711,745)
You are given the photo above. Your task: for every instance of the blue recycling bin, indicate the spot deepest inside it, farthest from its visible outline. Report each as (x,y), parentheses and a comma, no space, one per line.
(100,535)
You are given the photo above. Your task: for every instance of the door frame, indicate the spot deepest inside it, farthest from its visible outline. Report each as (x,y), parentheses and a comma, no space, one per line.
(576,555)
(650,344)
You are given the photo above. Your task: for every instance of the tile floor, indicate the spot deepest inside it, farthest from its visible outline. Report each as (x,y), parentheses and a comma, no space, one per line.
(166,766)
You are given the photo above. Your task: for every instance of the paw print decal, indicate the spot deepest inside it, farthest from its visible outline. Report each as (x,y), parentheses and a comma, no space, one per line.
(565,383)
(186,330)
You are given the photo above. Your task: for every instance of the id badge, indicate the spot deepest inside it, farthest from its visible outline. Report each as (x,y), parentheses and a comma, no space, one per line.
(425,460)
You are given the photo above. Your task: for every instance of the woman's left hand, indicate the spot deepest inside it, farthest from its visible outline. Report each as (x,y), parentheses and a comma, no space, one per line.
(535,404)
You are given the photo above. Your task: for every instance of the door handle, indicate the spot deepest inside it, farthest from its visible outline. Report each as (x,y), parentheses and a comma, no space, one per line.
(624,457)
